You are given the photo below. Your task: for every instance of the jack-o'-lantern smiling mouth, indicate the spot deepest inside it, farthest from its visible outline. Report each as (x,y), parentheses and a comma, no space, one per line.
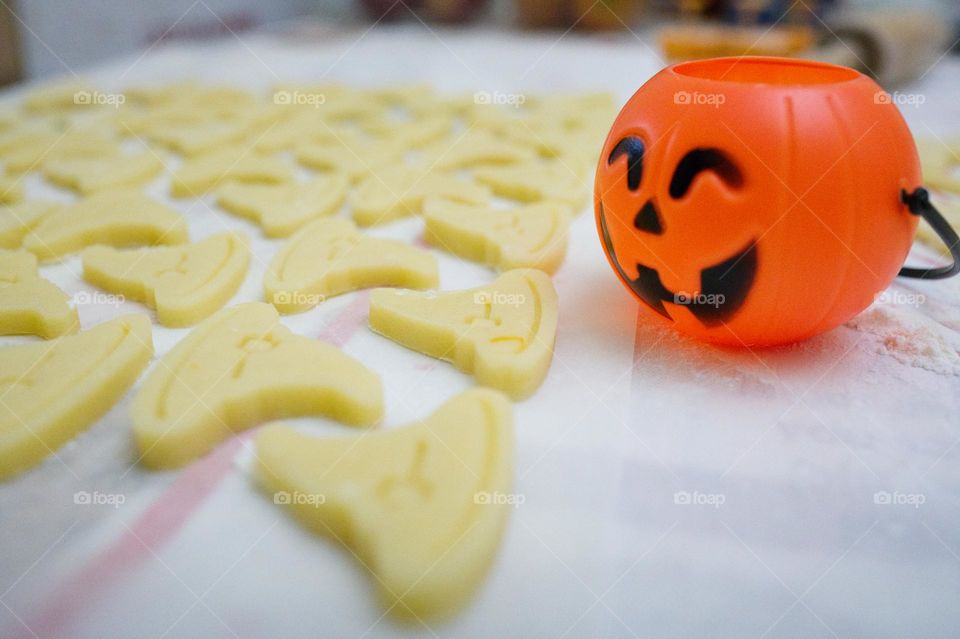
(723,286)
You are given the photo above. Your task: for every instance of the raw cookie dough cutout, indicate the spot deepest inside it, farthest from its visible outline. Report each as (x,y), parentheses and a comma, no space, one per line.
(26,134)
(11,189)
(198,175)
(475,148)
(330,257)
(190,95)
(398,191)
(29,304)
(239,368)
(60,97)
(191,139)
(17,220)
(8,120)
(578,141)
(185,283)
(90,174)
(332,103)
(423,506)
(48,146)
(529,236)
(351,154)
(281,209)
(553,181)
(412,134)
(299,128)
(116,218)
(940,162)
(54,390)
(502,333)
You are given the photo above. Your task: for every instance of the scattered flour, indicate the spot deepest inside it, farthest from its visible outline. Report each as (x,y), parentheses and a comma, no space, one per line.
(911,338)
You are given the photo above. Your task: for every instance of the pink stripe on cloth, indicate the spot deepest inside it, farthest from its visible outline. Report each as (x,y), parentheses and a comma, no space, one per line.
(348,321)
(138,543)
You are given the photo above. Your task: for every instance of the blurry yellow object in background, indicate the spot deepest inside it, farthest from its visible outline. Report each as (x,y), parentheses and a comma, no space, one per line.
(689,41)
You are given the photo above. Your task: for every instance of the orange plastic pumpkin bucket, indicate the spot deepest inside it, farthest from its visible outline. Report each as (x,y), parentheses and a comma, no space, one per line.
(757,201)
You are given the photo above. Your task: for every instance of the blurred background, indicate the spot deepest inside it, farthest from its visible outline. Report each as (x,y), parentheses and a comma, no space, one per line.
(894,39)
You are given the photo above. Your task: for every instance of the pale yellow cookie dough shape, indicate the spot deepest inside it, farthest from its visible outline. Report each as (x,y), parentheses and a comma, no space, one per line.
(29,304)
(413,133)
(350,154)
(90,174)
(330,257)
(940,162)
(8,119)
(54,390)
(117,218)
(11,189)
(198,175)
(239,368)
(476,148)
(281,209)
(574,110)
(16,220)
(184,283)
(302,126)
(27,134)
(502,333)
(398,191)
(423,506)
(529,236)
(56,145)
(195,138)
(60,97)
(554,181)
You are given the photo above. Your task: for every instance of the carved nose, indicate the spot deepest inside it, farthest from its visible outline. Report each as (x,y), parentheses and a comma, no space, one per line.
(648,220)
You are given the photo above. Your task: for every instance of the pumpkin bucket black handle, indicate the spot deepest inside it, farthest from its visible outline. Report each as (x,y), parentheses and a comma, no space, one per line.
(919,204)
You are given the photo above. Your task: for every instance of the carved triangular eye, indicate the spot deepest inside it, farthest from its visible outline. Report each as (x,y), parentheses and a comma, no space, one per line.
(699,160)
(648,220)
(633,148)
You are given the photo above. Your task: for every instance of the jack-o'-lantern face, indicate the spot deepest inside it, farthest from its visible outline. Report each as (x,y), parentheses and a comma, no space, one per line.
(723,286)
(754,201)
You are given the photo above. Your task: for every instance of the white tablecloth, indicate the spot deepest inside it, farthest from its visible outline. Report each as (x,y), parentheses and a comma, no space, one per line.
(782,453)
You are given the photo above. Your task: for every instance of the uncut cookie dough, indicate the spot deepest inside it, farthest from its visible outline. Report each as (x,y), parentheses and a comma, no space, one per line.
(237,369)
(423,506)
(398,191)
(330,257)
(502,333)
(54,390)
(531,236)
(29,304)
(183,283)
(89,174)
(116,218)
(16,220)
(281,209)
